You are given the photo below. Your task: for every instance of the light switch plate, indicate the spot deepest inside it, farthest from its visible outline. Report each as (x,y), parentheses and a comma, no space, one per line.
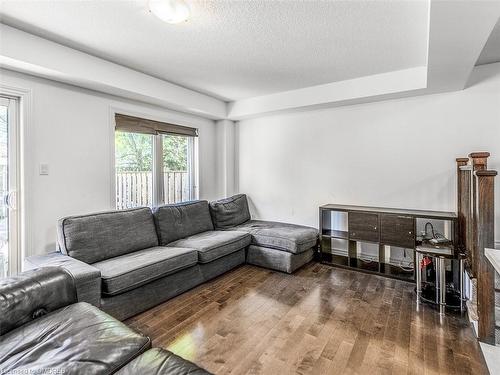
(44,169)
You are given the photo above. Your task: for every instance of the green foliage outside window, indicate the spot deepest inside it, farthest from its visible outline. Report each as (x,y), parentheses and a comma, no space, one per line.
(175,151)
(134,152)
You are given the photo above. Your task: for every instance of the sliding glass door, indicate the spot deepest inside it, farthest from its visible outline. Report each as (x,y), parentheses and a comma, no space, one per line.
(10,262)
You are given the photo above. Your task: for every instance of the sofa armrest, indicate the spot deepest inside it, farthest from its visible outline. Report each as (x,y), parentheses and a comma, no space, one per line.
(34,293)
(87,278)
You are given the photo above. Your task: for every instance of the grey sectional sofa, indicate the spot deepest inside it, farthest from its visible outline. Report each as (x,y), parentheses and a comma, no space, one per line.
(44,329)
(279,246)
(128,261)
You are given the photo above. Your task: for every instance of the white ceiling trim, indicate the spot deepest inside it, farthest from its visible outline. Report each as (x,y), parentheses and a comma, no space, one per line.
(238,49)
(457,34)
(350,91)
(458,31)
(491,51)
(20,51)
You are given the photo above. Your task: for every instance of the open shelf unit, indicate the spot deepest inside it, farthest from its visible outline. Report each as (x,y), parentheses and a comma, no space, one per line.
(379,240)
(342,234)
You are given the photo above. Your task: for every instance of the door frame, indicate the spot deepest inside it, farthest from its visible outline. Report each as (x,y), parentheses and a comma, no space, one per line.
(13,182)
(24,97)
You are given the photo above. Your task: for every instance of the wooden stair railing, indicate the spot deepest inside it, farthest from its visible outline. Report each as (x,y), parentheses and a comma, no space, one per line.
(476,228)
(479,162)
(464,208)
(485,229)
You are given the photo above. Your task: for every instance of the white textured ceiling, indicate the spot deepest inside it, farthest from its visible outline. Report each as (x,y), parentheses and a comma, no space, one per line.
(491,50)
(238,49)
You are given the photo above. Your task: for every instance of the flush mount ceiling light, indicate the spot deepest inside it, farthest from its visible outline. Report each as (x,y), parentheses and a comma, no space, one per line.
(171,11)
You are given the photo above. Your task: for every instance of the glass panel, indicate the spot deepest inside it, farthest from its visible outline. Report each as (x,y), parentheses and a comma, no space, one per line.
(134,169)
(176,168)
(4,189)
(335,224)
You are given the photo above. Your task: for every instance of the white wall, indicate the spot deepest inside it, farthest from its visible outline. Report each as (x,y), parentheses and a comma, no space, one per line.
(225,156)
(71,130)
(393,153)
(397,153)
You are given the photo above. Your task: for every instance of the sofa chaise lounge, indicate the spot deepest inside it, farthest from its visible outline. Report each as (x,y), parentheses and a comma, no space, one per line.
(275,245)
(128,261)
(43,329)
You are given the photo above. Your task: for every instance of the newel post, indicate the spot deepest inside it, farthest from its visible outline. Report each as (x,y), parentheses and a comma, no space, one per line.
(479,161)
(463,207)
(485,224)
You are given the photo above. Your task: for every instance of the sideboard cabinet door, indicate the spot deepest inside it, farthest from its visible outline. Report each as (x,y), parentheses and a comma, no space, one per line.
(363,226)
(397,230)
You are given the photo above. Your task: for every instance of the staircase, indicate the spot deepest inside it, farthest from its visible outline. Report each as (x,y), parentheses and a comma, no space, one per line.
(472,306)
(476,228)
(491,353)
(497,308)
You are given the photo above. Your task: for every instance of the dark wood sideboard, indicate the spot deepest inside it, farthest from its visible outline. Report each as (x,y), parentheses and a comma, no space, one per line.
(387,228)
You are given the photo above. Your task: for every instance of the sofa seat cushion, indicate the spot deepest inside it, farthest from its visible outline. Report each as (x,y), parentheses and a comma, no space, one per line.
(281,236)
(159,361)
(214,244)
(77,339)
(132,270)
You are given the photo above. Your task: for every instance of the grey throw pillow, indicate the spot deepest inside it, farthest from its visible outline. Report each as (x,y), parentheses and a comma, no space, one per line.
(229,212)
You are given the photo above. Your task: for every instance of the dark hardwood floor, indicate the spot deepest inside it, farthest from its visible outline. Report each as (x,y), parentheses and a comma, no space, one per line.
(320,320)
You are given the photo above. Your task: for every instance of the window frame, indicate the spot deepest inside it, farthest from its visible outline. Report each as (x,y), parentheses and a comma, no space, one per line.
(158,188)
(158,169)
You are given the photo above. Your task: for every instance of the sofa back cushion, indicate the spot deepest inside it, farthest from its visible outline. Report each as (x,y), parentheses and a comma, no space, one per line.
(181,220)
(95,237)
(229,212)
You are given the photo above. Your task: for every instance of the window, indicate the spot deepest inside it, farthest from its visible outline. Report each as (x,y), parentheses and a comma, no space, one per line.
(154,162)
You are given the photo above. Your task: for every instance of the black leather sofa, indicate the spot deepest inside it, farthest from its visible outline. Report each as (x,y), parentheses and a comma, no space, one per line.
(44,330)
